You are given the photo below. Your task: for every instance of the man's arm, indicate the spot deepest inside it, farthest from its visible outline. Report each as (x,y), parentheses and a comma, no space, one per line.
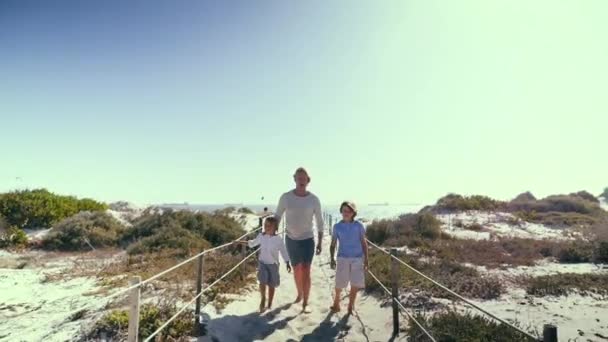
(319,219)
(283,250)
(332,252)
(280,209)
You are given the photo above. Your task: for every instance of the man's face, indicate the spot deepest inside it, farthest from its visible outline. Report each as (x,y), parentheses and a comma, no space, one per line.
(301,179)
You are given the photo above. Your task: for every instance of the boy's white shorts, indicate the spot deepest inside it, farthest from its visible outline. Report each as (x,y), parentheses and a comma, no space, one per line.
(350,270)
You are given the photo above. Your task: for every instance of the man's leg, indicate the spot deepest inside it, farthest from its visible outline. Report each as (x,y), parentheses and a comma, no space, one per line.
(263,297)
(306,284)
(270,296)
(297,276)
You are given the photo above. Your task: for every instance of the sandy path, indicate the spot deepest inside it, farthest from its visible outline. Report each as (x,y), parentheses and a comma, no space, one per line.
(240,321)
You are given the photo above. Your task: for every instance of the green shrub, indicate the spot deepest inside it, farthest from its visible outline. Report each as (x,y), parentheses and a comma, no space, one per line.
(13,237)
(601,253)
(605,193)
(245,210)
(578,252)
(524,197)
(115,324)
(454,202)
(172,237)
(41,209)
(378,232)
(452,327)
(428,226)
(585,195)
(574,203)
(3,224)
(180,229)
(76,233)
(462,279)
(410,230)
(566,283)
(476,227)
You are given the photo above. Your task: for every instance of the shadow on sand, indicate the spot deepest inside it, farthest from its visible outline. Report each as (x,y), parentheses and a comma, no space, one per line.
(249,327)
(328,331)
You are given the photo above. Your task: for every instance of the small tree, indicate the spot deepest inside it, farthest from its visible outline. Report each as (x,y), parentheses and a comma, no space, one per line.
(605,193)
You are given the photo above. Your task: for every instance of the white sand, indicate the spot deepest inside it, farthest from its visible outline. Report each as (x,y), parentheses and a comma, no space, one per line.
(34,310)
(496,224)
(241,322)
(572,314)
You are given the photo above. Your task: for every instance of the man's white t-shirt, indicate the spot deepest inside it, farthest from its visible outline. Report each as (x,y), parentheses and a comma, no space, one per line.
(299,212)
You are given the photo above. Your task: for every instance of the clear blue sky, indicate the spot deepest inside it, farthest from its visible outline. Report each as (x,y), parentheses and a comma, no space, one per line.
(219,101)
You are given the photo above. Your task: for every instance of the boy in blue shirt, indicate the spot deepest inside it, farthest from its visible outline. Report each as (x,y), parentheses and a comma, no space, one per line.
(352,255)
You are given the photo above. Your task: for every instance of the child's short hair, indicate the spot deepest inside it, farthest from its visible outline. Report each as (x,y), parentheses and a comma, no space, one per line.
(273,220)
(351,205)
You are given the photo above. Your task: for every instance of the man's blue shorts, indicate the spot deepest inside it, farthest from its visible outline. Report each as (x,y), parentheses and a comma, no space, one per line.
(300,251)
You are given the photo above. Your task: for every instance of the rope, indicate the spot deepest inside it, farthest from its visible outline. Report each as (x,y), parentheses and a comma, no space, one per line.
(402,307)
(158,275)
(454,293)
(198,295)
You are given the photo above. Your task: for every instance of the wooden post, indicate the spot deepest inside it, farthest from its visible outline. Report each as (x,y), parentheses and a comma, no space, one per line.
(549,333)
(395,291)
(134,310)
(199,288)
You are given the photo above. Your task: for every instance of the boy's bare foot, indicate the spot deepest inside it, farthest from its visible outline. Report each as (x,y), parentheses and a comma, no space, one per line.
(298,299)
(334,308)
(262,308)
(350,309)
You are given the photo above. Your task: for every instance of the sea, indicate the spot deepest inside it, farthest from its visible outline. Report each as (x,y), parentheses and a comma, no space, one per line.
(365,212)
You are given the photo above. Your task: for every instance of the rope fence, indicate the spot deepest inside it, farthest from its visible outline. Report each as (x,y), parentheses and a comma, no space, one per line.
(452,292)
(160,274)
(401,305)
(198,295)
(329,219)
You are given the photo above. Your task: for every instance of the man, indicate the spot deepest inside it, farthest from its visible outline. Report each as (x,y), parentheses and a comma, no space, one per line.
(300,207)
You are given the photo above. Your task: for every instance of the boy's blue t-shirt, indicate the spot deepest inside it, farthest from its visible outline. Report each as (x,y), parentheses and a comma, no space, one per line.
(349,236)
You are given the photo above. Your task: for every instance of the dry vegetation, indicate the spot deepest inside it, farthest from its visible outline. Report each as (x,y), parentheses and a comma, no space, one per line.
(448,327)
(565,284)
(466,281)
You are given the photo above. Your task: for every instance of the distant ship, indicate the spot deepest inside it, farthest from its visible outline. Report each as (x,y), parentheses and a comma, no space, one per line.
(379,204)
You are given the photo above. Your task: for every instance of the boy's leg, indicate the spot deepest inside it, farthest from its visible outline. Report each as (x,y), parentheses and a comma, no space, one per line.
(357,281)
(263,297)
(352,296)
(336,306)
(270,296)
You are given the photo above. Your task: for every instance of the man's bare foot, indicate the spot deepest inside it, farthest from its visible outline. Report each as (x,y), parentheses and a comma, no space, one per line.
(269,307)
(305,309)
(334,308)
(263,305)
(298,299)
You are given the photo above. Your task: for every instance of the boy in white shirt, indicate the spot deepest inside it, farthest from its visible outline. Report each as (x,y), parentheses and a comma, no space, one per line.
(268,268)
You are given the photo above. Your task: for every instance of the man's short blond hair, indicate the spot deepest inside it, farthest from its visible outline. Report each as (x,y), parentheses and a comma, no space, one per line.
(302,170)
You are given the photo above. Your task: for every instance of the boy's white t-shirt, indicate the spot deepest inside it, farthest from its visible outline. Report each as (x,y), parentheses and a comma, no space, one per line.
(270,247)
